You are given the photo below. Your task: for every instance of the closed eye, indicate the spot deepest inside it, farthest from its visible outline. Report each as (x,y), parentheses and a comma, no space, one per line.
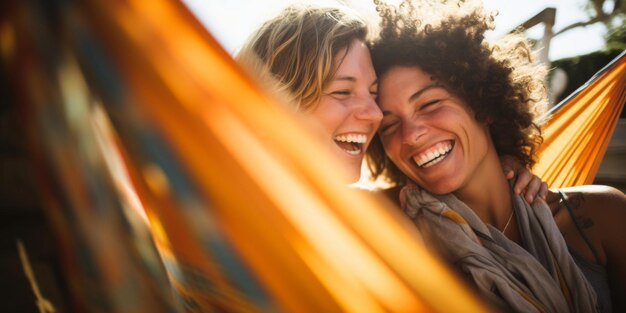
(428,104)
(387,128)
(341,92)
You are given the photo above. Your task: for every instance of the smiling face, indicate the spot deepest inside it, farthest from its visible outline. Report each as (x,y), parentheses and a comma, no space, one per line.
(347,110)
(430,134)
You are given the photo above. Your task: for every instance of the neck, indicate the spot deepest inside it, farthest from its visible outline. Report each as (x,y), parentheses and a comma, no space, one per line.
(487,192)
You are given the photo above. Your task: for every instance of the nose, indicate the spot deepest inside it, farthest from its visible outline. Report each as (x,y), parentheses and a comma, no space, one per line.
(369,110)
(412,131)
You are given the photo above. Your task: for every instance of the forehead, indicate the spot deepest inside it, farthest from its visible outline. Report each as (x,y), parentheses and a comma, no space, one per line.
(407,75)
(355,57)
(403,81)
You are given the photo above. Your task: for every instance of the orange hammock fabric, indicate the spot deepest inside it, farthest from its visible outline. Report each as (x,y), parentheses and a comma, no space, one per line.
(579,128)
(163,167)
(133,107)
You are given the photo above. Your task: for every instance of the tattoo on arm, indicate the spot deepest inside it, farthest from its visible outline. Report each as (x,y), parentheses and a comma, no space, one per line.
(581,219)
(576,202)
(585,222)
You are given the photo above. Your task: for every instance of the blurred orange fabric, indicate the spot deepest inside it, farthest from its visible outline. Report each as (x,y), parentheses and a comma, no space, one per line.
(162,158)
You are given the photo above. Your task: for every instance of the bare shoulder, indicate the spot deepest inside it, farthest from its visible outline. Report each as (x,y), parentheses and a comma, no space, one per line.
(602,204)
(593,215)
(598,200)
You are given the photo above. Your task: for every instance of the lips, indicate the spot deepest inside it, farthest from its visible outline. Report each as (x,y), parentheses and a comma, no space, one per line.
(434,154)
(351,143)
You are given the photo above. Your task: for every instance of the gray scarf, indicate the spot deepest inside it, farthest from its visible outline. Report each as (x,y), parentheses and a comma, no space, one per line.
(541,278)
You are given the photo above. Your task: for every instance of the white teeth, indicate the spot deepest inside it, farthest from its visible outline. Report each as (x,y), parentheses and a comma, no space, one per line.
(358,139)
(352,138)
(434,155)
(442,150)
(433,162)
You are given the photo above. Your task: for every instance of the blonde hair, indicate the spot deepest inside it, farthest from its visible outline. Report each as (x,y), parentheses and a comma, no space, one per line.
(298,48)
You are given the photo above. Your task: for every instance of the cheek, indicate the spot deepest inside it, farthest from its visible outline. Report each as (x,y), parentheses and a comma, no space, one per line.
(328,115)
(485,138)
(479,133)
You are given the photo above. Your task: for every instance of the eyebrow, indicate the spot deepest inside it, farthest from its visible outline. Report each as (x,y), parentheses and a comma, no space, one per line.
(421,91)
(416,95)
(353,79)
(348,78)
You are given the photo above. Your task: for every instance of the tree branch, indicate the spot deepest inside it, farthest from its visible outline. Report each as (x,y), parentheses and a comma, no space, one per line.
(600,18)
(577,24)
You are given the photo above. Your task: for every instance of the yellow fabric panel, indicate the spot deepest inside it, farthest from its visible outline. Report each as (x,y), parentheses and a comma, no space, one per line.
(578,131)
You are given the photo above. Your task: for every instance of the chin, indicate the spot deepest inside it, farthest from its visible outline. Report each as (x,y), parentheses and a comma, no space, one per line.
(438,191)
(439,188)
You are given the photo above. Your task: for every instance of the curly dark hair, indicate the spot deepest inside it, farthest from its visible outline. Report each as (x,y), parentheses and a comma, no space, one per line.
(498,81)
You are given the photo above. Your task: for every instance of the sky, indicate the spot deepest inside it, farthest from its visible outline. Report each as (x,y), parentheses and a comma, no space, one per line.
(232,21)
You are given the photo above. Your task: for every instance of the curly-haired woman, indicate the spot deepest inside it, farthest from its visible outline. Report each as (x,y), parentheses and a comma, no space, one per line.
(453,104)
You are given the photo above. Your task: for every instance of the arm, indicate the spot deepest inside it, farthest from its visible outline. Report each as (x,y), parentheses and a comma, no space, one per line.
(601,212)
(610,213)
